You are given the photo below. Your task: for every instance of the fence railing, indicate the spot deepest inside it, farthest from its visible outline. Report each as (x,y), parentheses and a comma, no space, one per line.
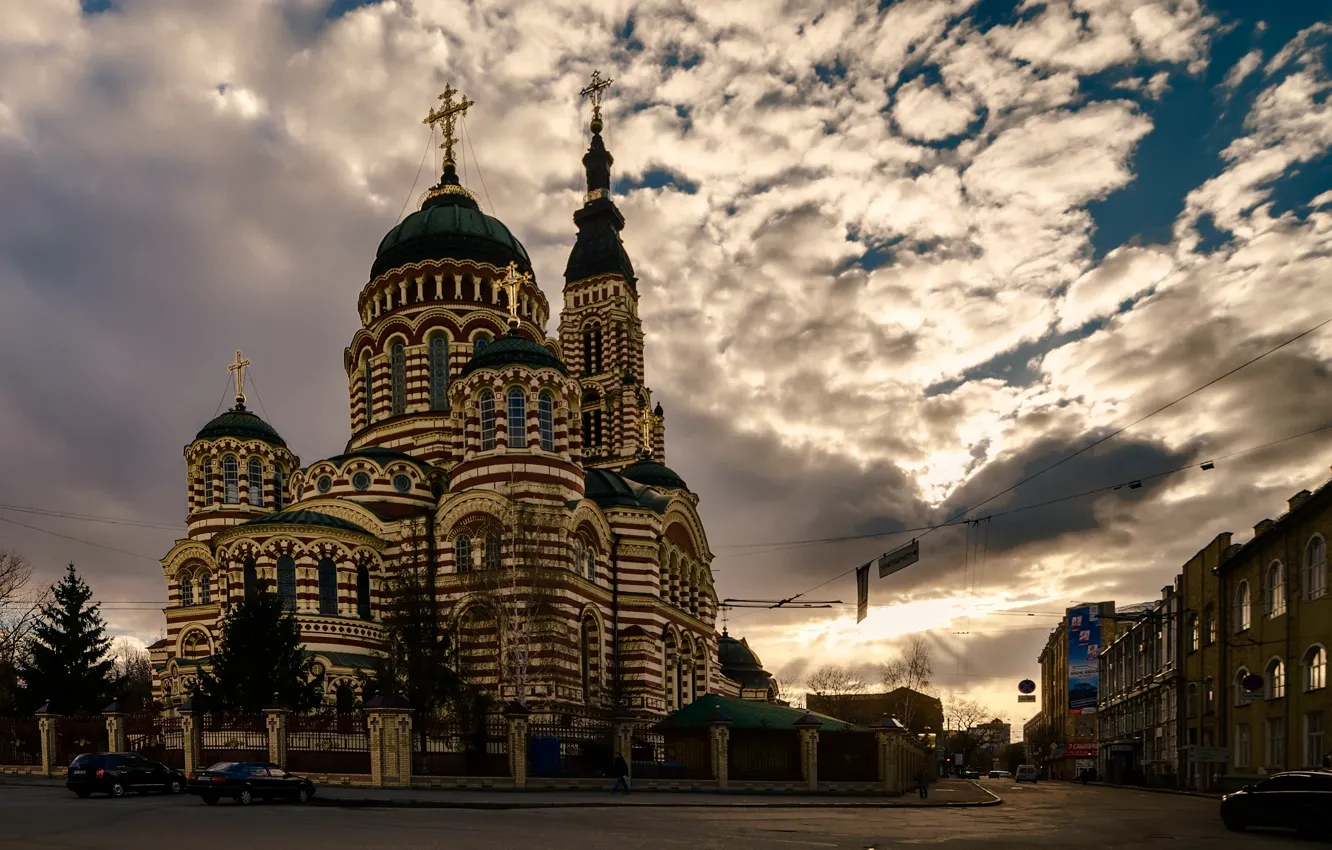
(20,741)
(570,746)
(328,743)
(848,757)
(233,738)
(156,737)
(77,735)
(453,746)
(683,754)
(764,755)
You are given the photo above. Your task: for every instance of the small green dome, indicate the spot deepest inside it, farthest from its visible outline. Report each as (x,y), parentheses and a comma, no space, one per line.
(514,349)
(242,425)
(654,474)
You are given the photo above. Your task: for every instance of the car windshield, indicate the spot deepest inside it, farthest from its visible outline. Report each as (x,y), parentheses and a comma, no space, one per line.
(221,767)
(83,761)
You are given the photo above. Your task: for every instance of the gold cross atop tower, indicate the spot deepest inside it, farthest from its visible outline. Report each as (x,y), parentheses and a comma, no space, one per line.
(512,283)
(648,421)
(594,90)
(238,369)
(448,115)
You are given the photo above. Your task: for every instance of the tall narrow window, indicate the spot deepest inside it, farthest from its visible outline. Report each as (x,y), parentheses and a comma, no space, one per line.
(439,372)
(204,584)
(1275,590)
(286,582)
(1313,739)
(1315,668)
(186,589)
(363,592)
(1276,679)
(1242,754)
(462,554)
(277,488)
(328,587)
(592,349)
(249,577)
(1209,621)
(1239,699)
(546,420)
(398,362)
(206,486)
(591,566)
(1195,639)
(1276,742)
(369,388)
(592,432)
(255,479)
(1242,607)
(487,409)
(1315,568)
(516,426)
(492,551)
(230,480)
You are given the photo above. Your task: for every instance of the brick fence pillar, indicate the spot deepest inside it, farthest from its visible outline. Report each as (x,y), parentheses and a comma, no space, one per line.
(277,720)
(389,720)
(808,727)
(46,727)
(191,730)
(516,714)
(622,736)
(719,734)
(115,728)
(888,733)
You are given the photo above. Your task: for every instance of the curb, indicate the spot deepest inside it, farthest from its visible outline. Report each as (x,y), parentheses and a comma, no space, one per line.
(1176,791)
(418,803)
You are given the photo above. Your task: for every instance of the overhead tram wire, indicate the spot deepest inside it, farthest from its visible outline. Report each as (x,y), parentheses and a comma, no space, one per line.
(77,539)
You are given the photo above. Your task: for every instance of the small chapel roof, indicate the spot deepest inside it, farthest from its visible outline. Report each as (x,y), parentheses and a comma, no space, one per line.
(241,424)
(514,349)
(649,471)
(303,517)
(749,714)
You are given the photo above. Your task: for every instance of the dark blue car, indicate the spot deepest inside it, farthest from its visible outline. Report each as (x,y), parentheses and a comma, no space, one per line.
(243,781)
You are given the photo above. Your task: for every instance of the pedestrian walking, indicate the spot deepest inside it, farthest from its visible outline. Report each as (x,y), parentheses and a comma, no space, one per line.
(923,783)
(621,774)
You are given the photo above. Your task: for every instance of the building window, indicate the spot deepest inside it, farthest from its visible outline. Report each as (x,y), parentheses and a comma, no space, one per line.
(591,556)
(277,488)
(1209,696)
(492,551)
(1315,668)
(1242,607)
(462,554)
(592,349)
(369,388)
(480,344)
(1209,622)
(249,577)
(439,372)
(361,480)
(516,425)
(591,432)
(255,479)
(402,482)
(1315,568)
(1243,748)
(328,587)
(1276,742)
(206,486)
(546,420)
(487,406)
(230,480)
(398,365)
(585,659)
(1194,637)
(286,582)
(1313,739)
(1240,675)
(186,589)
(1274,591)
(1276,679)
(324,484)
(363,592)
(204,584)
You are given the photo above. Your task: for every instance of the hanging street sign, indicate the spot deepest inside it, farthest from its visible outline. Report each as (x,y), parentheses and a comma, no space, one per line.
(862,592)
(1026,686)
(1026,697)
(899,559)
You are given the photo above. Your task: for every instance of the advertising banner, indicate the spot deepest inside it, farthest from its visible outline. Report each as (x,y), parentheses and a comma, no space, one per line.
(1084,650)
(862,592)
(899,559)
(1080,748)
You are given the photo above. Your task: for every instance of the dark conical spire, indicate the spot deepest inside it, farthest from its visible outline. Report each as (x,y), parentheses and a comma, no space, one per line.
(598,249)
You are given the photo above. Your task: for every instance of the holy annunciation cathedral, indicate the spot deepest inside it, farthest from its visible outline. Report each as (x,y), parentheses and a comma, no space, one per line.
(527,470)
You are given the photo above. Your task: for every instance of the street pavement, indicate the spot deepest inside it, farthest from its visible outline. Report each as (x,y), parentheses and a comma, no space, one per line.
(1052,815)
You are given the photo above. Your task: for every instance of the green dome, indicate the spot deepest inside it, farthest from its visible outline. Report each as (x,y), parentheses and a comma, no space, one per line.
(648,471)
(449,225)
(242,425)
(300,517)
(514,349)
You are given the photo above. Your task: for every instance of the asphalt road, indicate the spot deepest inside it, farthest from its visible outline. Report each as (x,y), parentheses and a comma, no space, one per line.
(1046,815)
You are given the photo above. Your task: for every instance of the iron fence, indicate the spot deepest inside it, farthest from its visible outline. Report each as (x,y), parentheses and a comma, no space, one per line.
(454,746)
(20,741)
(570,745)
(679,754)
(77,735)
(848,757)
(234,738)
(328,743)
(159,738)
(764,755)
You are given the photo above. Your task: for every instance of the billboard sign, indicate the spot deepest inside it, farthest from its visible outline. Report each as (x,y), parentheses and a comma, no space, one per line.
(1080,748)
(1084,664)
(899,559)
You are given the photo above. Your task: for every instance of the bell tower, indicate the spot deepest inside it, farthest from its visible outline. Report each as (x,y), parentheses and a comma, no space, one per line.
(601,336)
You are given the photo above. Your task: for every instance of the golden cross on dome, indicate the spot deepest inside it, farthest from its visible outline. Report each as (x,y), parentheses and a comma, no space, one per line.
(648,421)
(238,369)
(512,283)
(448,115)
(594,90)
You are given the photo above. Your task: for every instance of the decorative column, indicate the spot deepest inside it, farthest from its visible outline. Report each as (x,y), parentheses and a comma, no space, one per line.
(389,719)
(719,731)
(46,727)
(808,727)
(115,728)
(517,714)
(277,719)
(888,733)
(191,729)
(622,735)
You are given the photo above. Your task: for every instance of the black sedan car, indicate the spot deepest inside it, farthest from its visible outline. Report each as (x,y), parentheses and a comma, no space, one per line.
(243,781)
(1299,800)
(116,773)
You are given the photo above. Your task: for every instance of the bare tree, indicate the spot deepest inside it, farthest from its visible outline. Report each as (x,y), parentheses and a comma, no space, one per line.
(962,717)
(134,669)
(912,669)
(19,606)
(834,686)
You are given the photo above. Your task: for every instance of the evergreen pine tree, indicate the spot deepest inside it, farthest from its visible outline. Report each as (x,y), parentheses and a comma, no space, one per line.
(68,660)
(261,655)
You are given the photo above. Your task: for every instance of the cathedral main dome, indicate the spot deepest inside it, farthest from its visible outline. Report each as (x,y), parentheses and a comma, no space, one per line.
(240,424)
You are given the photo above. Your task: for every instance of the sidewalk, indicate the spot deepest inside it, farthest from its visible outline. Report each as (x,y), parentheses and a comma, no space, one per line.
(1182,792)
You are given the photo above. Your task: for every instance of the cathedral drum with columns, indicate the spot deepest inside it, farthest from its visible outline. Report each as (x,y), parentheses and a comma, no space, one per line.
(524,472)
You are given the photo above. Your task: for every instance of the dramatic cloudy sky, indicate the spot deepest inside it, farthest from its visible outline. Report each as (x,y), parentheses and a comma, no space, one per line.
(893,259)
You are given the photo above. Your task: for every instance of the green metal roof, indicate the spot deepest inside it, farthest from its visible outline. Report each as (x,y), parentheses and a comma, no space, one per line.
(382,457)
(515,349)
(241,424)
(649,471)
(748,714)
(302,517)
(354,660)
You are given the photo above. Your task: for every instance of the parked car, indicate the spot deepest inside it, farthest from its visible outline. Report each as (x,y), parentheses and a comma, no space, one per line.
(968,773)
(1000,774)
(243,781)
(1298,800)
(1027,773)
(116,773)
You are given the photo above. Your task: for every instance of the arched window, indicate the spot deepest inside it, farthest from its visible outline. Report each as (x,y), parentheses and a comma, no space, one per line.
(328,587)
(1274,590)
(546,420)
(1242,607)
(439,372)
(487,409)
(277,488)
(1209,624)
(1240,675)
(206,486)
(591,568)
(230,480)
(1315,668)
(492,551)
(1191,699)
(286,582)
(1276,679)
(516,426)
(592,349)
(256,483)
(344,699)
(186,589)
(1195,639)
(1315,568)
(479,343)
(249,577)
(203,582)
(363,592)
(398,364)
(369,388)
(462,554)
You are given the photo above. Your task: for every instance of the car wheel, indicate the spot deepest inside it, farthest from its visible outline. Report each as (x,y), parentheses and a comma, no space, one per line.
(210,799)
(175,786)
(245,798)
(117,789)
(302,796)
(83,795)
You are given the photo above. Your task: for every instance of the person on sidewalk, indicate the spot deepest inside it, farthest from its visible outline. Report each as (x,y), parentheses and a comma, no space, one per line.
(923,784)
(621,771)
